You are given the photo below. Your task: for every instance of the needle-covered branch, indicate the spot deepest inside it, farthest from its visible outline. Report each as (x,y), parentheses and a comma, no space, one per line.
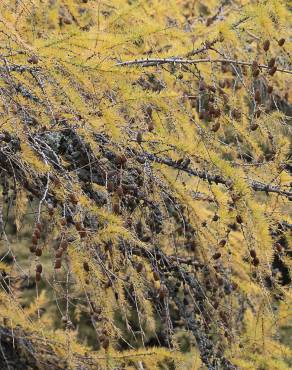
(112,237)
(217,179)
(150,62)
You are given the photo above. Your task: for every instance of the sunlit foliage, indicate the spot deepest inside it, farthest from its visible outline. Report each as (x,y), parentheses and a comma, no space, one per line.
(145,160)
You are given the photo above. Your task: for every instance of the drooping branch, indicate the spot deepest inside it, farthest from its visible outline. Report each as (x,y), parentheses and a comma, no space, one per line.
(210,355)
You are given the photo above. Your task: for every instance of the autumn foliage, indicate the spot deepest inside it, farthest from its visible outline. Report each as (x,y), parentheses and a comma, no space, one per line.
(146,188)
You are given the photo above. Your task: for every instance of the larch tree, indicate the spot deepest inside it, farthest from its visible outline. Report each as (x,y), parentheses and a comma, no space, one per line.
(145,161)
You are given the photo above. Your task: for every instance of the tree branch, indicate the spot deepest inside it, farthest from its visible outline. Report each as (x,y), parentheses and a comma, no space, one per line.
(204,175)
(177,60)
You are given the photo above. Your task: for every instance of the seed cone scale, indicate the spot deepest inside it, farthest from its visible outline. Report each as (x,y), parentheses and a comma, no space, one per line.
(216,255)
(270,89)
(38,252)
(254,127)
(239,219)
(253,253)
(156,276)
(86,266)
(139,267)
(266,45)
(139,137)
(39,268)
(281,42)
(271,62)
(272,71)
